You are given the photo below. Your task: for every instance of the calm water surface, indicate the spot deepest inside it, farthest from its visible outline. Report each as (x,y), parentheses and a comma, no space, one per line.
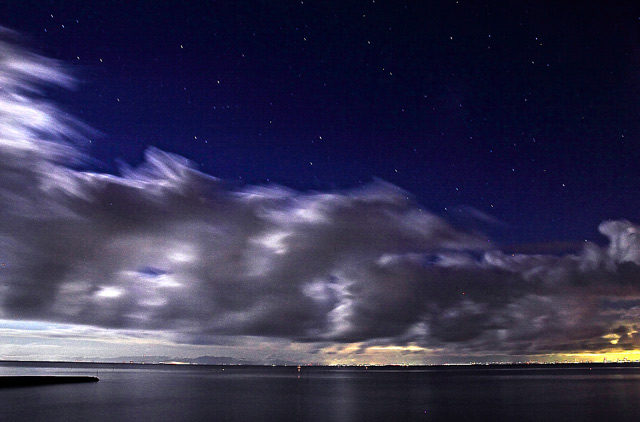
(193,393)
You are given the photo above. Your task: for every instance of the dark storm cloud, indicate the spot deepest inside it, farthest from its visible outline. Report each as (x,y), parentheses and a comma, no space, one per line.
(165,247)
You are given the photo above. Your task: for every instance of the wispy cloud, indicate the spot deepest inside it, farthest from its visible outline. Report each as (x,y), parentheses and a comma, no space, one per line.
(165,247)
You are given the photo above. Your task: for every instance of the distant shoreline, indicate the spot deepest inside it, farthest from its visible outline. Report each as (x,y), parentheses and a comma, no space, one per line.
(469,366)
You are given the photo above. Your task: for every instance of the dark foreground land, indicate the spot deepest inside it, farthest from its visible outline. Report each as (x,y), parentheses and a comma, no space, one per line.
(27,381)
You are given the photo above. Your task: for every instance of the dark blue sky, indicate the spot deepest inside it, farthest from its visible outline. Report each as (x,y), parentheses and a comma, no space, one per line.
(526,111)
(511,128)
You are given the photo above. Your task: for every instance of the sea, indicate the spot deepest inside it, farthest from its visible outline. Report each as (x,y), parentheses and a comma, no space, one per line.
(135,392)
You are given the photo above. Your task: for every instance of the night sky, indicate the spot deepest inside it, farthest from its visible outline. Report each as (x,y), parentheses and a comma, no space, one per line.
(320,181)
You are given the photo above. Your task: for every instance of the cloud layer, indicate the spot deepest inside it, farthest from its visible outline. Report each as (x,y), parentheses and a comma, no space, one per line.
(165,247)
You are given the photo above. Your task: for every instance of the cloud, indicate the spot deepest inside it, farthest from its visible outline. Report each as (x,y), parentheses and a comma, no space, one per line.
(165,247)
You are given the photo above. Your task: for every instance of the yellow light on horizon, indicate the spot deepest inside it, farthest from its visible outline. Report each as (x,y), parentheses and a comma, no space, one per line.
(612,356)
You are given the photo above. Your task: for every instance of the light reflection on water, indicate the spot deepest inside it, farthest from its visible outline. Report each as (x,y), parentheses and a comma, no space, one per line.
(172,393)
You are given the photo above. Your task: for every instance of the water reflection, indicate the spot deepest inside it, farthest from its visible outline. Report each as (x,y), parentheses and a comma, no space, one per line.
(133,393)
